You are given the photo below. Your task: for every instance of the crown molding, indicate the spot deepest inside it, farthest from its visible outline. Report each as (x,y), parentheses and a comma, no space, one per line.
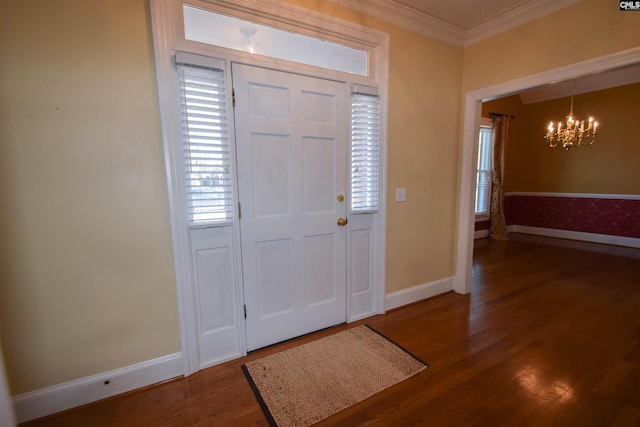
(409,18)
(297,19)
(428,25)
(514,18)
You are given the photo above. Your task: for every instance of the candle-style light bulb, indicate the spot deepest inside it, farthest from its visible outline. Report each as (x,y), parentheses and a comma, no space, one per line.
(571,132)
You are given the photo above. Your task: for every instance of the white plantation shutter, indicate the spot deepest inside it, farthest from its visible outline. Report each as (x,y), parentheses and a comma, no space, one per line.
(365,150)
(205,136)
(483,184)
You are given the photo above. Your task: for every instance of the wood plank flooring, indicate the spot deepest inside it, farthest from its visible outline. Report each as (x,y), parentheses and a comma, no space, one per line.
(549,336)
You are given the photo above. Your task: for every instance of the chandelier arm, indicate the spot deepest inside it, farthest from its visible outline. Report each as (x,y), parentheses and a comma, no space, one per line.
(574,133)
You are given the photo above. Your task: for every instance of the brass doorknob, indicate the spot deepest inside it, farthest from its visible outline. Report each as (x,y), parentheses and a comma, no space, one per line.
(342,222)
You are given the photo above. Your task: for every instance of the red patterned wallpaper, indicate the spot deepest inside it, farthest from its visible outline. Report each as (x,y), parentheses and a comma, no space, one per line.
(615,217)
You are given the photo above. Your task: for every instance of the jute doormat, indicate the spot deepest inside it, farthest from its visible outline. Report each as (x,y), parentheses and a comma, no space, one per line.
(306,384)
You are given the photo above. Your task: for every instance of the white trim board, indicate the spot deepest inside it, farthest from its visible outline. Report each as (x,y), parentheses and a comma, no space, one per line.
(481,234)
(431,26)
(408,18)
(60,397)
(417,293)
(7,416)
(521,15)
(606,239)
(576,195)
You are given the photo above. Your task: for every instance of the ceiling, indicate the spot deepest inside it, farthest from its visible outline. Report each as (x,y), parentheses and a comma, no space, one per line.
(464,13)
(460,22)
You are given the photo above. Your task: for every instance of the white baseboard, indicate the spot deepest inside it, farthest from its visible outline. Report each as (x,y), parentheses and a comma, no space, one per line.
(631,242)
(481,234)
(60,397)
(417,293)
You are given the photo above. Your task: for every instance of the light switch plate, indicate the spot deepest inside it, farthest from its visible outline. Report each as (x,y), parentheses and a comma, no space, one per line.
(401,194)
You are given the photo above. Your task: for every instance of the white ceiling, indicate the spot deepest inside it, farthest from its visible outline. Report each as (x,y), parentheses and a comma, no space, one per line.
(464,13)
(460,22)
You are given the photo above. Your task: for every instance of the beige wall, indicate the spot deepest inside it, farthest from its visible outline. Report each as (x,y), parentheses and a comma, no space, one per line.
(585,30)
(610,166)
(86,263)
(86,269)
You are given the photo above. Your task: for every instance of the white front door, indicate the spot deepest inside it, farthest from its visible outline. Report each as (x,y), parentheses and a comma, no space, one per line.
(291,142)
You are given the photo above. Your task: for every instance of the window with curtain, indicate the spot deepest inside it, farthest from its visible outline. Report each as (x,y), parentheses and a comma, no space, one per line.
(365,150)
(483,172)
(207,163)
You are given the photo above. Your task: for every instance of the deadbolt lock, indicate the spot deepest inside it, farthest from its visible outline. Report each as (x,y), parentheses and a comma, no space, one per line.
(340,198)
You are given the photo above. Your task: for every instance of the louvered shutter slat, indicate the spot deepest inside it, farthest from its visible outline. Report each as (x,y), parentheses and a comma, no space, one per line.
(365,158)
(203,107)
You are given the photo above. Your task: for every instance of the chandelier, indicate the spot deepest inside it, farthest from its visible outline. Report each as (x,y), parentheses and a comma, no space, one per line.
(573,133)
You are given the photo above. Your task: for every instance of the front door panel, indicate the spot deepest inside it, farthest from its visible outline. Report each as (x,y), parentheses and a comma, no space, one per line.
(291,136)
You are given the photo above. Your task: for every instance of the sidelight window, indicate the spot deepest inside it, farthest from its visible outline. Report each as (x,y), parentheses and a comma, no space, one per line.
(205,139)
(365,150)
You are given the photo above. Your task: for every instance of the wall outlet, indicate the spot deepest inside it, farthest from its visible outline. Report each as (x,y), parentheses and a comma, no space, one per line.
(401,194)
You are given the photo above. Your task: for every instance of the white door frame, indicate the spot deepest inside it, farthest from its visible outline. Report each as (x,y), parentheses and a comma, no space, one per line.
(469,153)
(7,414)
(168,37)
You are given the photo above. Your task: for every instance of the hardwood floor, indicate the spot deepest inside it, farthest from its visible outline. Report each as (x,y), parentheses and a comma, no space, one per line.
(549,336)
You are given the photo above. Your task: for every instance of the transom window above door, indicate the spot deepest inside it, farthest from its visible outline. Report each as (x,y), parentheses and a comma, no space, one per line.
(220,30)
